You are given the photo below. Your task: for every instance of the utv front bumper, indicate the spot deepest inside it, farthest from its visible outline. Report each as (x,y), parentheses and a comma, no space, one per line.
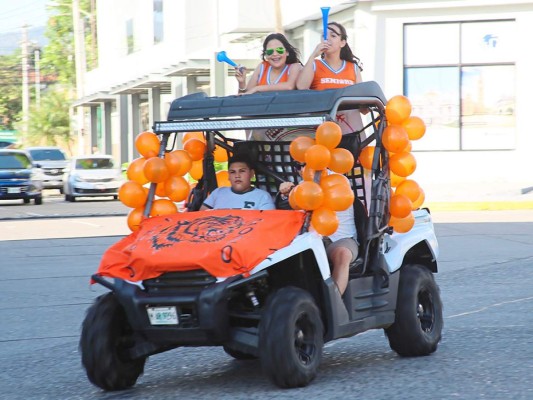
(200,305)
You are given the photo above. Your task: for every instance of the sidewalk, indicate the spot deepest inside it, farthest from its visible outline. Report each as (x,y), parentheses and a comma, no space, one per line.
(463,197)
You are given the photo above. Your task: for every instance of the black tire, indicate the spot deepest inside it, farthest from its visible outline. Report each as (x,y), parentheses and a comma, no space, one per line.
(61,191)
(418,325)
(239,355)
(26,201)
(69,198)
(291,338)
(38,200)
(105,336)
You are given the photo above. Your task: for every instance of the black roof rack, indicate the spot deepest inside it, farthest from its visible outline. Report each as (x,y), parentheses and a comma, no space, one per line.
(290,102)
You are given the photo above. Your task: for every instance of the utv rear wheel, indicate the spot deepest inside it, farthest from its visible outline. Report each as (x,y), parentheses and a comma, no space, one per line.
(291,338)
(105,338)
(418,325)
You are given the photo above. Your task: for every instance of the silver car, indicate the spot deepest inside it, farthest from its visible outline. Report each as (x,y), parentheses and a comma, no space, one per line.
(92,176)
(53,162)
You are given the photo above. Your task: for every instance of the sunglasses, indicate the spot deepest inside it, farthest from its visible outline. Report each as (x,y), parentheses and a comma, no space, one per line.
(279,50)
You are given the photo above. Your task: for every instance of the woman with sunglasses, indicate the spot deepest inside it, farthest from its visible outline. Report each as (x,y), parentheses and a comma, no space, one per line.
(278,70)
(337,66)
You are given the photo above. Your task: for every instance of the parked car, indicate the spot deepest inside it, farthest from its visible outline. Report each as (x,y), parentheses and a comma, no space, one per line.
(92,176)
(185,279)
(20,177)
(53,162)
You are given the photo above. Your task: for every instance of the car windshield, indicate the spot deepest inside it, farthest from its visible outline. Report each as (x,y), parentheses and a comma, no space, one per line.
(14,161)
(95,163)
(47,154)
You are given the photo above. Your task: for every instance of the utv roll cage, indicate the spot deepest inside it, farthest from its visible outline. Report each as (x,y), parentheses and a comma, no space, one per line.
(273,164)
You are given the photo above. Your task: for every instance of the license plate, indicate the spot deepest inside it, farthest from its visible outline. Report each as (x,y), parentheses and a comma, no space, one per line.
(13,190)
(163,315)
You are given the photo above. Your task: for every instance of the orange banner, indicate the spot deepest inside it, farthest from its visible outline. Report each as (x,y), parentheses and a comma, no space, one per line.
(223,242)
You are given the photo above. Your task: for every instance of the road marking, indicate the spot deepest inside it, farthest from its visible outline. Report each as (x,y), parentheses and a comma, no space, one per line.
(491,306)
(86,223)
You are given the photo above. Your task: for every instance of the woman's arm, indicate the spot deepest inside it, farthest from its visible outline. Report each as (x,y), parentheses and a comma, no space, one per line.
(308,72)
(252,83)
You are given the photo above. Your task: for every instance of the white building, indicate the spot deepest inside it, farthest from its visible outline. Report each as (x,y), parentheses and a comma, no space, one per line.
(464,64)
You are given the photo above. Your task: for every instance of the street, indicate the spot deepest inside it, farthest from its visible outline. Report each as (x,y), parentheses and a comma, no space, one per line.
(485,280)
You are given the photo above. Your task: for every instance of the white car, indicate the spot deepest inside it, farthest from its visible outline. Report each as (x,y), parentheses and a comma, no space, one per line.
(92,176)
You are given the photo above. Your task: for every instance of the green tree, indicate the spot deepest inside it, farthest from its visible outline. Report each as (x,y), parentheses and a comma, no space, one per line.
(50,123)
(10,90)
(59,56)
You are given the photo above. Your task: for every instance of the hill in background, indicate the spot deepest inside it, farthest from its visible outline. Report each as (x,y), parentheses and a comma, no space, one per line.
(10,41)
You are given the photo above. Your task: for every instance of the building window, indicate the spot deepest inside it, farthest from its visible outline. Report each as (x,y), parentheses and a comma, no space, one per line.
(463,87)
(130,41)
(158,21)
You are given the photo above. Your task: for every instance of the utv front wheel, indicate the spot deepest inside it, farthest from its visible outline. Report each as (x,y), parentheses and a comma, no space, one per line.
(105,338)
(291,338)
(418,325)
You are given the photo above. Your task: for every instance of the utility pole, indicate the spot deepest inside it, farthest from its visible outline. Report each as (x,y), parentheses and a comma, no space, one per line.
(37,56)
(25,85)
(80,61)
(279,20)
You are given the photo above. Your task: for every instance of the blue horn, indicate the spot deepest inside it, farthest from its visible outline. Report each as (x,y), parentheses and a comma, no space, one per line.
(325,12)
(222,57)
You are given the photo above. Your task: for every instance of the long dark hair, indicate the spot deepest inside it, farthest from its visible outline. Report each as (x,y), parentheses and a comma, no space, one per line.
(293,54)
(346,52)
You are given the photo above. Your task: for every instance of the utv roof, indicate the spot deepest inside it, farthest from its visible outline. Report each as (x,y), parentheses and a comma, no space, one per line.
(282,103)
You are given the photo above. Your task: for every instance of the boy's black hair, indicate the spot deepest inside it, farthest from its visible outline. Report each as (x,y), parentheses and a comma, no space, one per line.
(241,157)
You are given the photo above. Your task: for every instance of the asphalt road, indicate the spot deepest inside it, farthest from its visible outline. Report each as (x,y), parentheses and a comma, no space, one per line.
(485,280)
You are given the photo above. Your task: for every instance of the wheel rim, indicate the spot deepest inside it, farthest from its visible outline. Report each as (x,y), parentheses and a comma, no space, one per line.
(304,339)
(425,311)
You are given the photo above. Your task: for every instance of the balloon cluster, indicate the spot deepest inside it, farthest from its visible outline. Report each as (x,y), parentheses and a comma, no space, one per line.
(167,173)
(332,192)
(401,129)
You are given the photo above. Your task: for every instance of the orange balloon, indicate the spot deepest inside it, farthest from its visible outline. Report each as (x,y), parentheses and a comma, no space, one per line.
(195,148)
(308,173)
(308,195)
(420,200)
(402,225)
(177,188)
(338,197)
(395,180)
(163,207)
(329,134)
(132,194)
(299,146)
(395,138)
(317,157)
(147,144)
(415,127)
(156,170)
(160,189)
(403,164)
(334,179)
(341,161)
(398,109)
(135,217)
(223,178)
(292,201)
(409,188)
(220,154)
(324,221)
(197,170)
(178,162)
(400,206)
(366,157)
(135,171)
(193,135)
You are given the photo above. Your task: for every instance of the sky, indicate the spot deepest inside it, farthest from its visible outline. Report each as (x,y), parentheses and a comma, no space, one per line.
(15,13)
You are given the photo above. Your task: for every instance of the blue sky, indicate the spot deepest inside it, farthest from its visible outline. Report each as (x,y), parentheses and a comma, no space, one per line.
(15,13)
